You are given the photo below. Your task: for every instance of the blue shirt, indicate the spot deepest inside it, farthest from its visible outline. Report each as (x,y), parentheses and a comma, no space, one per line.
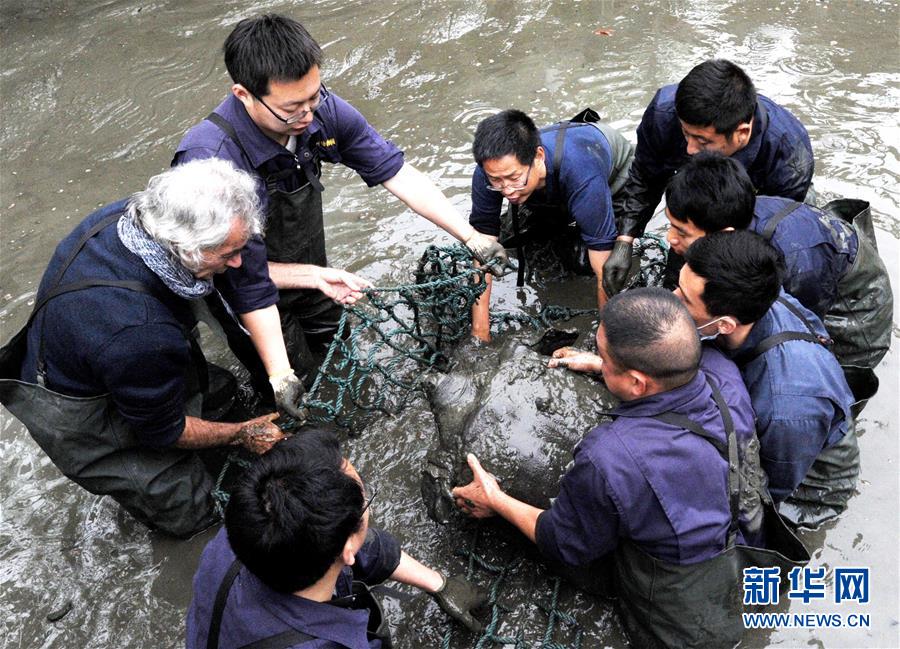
(583,189)
(337,134)
(113,340)
(778,157)
(254,611)
(800,396)
(818,250)
(638,478)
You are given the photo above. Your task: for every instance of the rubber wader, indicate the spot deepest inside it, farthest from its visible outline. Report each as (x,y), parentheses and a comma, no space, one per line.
(294,233)
(89,441)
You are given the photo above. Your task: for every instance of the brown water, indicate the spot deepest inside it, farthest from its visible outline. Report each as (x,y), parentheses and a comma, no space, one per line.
(96,94)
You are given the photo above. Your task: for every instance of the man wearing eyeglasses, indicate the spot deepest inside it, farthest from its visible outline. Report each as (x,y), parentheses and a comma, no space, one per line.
(280,123)
(557,182)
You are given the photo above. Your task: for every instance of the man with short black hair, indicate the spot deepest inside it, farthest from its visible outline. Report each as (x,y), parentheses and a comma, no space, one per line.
(652,485)
(280,123)
(731,284)
(559,182)
(714,108)
(832,266)
(296,557)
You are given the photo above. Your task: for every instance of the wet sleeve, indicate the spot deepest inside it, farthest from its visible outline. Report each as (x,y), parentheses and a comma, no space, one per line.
(583,523)
(143,369)
(378,557)
(486,205)
(646,177)
(249,287)
(812,276)
(360,146)
(792,439)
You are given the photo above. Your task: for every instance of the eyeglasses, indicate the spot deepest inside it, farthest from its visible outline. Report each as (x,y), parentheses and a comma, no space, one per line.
(512,188)
(374,492)
(312,105)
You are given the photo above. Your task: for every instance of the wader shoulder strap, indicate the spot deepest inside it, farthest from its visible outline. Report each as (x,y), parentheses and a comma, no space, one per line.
(774,340)
(279,641)
(87,236)
(520,248)
(769,231)
(226,126)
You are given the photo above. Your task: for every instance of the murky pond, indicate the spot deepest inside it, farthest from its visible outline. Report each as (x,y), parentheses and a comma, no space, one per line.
(96,94)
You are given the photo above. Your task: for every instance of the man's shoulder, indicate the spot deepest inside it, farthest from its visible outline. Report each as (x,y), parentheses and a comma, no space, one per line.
(782,123)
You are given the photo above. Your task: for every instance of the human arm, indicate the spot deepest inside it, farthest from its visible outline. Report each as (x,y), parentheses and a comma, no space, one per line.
(483,498)
(481,312)
(597,259)
(257,435)
(339,285)
(576,360)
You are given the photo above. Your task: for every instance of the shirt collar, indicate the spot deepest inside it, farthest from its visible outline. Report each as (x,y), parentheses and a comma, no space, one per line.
(656,404)
(748,154)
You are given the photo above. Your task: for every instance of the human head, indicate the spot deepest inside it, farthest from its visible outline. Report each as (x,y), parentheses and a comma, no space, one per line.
(648,343)
(715,104)
(711,192)
(274,64)
(197,210)
(508,147)
(735,276)
(296,511)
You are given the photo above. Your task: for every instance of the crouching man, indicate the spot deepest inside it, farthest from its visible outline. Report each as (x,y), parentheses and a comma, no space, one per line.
(295,559)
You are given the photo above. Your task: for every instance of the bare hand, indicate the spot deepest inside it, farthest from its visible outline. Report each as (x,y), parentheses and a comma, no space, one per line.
(477,497)
(260,434)
(341,286)
(576,360)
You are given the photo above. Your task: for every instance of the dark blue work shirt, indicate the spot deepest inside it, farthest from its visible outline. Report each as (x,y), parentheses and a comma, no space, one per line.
(113,340)
(337,134)
(637,478)
(818,250)
(800,396)
(583,189)
(778,157)
(253,611)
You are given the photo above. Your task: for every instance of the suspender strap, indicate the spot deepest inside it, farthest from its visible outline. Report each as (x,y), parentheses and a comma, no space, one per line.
(681,421)
(520,248)
(800,316)
(215,622)
(280,641)
(87,236)
(226,126)
(558,151)
(769,231)
(774,340)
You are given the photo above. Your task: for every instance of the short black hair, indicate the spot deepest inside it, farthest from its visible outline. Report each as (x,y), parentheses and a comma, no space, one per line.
(651,331)
(268,48)
(713,191)
(509,132)
(293,510)
(716,93)
(743,273)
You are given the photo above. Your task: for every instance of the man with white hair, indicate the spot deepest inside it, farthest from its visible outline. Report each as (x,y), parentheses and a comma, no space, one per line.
(107,374)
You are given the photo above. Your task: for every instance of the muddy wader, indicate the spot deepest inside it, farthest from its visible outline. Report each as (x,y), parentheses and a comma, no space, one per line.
(831,480)
(88,440)
(533,227)
(360,598)
(699,605)
(294,233)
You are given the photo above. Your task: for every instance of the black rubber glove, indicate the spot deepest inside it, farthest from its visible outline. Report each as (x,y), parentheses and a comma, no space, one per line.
(616,268)
(288,391)
(457,597)
(487,250)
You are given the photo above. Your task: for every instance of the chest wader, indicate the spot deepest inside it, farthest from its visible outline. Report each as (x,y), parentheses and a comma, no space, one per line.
(90,442)
(859,321)
(361,598)
(294,233)
(831,480)
(698,605)
(544,234)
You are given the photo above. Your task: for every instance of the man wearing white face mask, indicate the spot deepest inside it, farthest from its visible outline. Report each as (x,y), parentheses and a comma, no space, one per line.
(731,285)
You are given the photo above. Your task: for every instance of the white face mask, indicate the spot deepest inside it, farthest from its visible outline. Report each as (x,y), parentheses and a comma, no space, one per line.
(711,336)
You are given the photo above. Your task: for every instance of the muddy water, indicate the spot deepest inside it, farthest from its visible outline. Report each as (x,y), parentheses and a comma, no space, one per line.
(96,94)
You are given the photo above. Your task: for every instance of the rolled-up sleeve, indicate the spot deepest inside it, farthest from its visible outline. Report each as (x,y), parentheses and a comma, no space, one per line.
(249,287)
(378,557)
(486,205)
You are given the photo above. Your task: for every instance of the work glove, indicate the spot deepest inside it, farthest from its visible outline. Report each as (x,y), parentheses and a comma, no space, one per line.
(457,597)
(288,391)
(616,268)
(486,251)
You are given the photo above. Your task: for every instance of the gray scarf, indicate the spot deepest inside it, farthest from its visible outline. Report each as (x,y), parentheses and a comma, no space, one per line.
(178,278)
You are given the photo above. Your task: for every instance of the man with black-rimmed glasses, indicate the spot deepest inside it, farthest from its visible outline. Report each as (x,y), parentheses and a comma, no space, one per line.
(280,123)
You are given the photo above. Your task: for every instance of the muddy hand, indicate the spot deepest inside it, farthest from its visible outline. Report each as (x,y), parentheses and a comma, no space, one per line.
(260,434)
(476,498)
(458,597)
(575,360)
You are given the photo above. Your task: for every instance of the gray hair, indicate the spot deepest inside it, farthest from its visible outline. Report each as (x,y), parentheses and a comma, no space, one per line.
(190,208)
